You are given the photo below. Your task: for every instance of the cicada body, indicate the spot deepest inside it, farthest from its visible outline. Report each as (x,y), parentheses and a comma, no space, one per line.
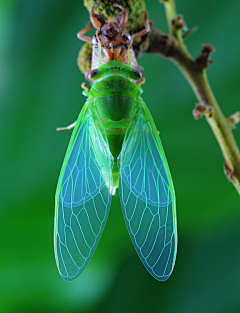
(115,145)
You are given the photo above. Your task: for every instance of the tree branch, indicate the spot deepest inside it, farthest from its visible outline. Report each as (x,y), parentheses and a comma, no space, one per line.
(172,46)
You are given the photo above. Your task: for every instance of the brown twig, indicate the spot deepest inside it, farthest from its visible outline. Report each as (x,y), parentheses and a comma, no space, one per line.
(172,46)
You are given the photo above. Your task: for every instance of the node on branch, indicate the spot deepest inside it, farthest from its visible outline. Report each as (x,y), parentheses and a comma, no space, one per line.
(203,60)
(202,109)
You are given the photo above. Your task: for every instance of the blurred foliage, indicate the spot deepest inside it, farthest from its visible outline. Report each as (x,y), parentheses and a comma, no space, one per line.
(40,89)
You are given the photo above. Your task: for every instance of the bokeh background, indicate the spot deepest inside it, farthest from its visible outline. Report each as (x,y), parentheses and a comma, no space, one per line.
(40,89)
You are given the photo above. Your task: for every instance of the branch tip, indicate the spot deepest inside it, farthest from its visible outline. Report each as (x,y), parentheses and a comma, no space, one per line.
(233,120)
(178,22)
(203,60)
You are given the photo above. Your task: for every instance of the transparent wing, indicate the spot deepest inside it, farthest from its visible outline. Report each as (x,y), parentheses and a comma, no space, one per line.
(147,196)
(83,198)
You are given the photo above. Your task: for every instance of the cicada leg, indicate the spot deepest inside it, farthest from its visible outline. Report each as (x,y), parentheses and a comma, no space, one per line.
(85,89)
(84,86)
(145,30)
(97,19)
(67,127)
(81,35)
(122,17)
(142,81)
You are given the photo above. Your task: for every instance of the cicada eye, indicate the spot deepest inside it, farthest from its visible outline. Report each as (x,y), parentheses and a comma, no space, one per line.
(137,73)
(92,74)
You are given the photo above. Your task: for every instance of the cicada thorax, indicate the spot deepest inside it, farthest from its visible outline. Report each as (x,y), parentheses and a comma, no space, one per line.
(114,92)
(115,43)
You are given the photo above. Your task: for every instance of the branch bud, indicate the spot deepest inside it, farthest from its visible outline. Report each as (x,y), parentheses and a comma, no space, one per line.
(203,60)
(233,120)
(202,109)
(178,22)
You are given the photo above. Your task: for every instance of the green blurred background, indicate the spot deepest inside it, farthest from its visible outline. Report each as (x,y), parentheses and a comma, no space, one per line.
(40,89)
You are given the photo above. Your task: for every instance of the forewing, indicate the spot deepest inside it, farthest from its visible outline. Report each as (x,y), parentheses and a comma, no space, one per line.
(82,198)
(147,195)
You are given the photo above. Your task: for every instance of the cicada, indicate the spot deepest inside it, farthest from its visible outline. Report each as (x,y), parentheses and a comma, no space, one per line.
(115,146)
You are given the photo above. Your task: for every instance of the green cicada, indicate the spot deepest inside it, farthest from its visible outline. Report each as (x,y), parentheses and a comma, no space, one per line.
(115,145)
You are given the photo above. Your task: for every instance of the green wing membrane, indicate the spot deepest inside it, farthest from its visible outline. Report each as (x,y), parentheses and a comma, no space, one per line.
(83,198)
(147,195)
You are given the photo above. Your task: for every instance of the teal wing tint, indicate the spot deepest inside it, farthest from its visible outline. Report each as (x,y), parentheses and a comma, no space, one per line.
(147,195)
(82,198)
